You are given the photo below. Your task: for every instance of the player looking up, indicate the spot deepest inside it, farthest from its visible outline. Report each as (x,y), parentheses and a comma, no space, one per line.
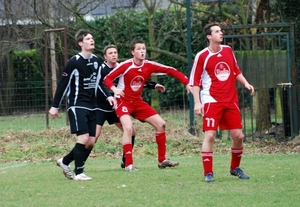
(132,74)
(215,70)
(105,111)
(78,81)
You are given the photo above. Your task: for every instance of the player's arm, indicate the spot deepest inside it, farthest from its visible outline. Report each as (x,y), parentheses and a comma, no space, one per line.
(240,78)
(198,109)
(62,89)
(195,82)
(109,80)
(101,87)
(153,85)
(160,68)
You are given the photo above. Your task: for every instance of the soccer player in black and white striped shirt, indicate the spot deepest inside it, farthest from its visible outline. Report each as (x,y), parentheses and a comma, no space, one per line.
(78,82)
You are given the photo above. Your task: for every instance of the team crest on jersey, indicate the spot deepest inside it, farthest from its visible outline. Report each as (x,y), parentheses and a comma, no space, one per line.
(136,83)
(222,71)
(96,65)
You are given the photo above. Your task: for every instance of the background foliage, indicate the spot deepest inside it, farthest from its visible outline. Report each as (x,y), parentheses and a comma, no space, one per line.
(122,26)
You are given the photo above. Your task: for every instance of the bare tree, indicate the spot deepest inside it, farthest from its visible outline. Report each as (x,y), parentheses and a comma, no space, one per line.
(22,25)
(8,21)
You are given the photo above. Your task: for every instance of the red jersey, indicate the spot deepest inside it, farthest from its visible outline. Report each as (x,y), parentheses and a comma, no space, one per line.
(216,74)
(132,77)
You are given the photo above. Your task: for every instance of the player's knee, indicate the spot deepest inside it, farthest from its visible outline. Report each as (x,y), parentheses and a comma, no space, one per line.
(161,125)
(128,129)
(238,138)
(210,135)
(83,139)
(89,145)
(209,139)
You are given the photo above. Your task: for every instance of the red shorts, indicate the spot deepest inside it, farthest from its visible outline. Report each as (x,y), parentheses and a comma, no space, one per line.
(225,115)
(138,109)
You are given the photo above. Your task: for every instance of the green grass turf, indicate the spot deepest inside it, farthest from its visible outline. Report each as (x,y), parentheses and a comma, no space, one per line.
(274,181)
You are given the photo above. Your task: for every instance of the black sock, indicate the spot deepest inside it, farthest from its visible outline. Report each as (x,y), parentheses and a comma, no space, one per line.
(79,156)
(87,153)
(69,157)
(132,140)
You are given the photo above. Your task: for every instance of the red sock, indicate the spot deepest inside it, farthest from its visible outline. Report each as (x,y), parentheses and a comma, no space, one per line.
(207,161)
(127,149)
(236,155)
(160,138)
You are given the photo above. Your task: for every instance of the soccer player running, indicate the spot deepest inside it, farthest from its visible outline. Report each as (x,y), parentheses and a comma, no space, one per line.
(132,74)
(215,70)
(78,81)
(105,111)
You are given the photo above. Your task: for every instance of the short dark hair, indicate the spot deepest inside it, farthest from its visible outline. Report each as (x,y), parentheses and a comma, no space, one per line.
(207,29)
(134,42)
(80,35)
(108,47)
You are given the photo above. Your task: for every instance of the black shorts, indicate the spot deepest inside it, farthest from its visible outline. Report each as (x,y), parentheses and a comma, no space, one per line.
(110,117)
(82,121)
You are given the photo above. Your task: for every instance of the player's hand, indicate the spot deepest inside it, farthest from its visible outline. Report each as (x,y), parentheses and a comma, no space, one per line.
(188,88)
(198,109)
(112,101)
(160,87)
(250,88)
(53,112)
(118,92)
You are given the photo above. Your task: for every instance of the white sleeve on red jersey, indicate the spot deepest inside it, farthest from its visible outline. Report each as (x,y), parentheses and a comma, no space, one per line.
(170,71)
(116,73)
(198,67)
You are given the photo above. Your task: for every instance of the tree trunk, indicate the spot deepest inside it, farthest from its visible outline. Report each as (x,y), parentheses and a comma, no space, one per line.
(151,10)
(263,116)
(52,52)
(262,109)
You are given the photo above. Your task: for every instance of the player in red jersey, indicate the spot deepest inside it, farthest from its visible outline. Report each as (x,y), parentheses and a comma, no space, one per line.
(104,110)
(133,74)
(216,71)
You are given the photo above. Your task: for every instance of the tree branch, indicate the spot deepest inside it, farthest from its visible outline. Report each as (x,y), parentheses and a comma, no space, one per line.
(167,53)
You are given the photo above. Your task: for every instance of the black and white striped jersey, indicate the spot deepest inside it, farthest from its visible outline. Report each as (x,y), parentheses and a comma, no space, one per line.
(78,82)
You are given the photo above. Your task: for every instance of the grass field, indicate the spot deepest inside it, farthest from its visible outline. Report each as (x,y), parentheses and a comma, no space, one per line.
(29,176)
(274,181)
(34,122)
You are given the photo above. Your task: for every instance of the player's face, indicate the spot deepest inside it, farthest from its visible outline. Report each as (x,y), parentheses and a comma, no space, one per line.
(111,56)
(87,43)
(139,52)
(216,34)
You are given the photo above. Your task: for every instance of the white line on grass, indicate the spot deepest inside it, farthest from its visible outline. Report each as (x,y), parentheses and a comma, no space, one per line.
(13,166)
